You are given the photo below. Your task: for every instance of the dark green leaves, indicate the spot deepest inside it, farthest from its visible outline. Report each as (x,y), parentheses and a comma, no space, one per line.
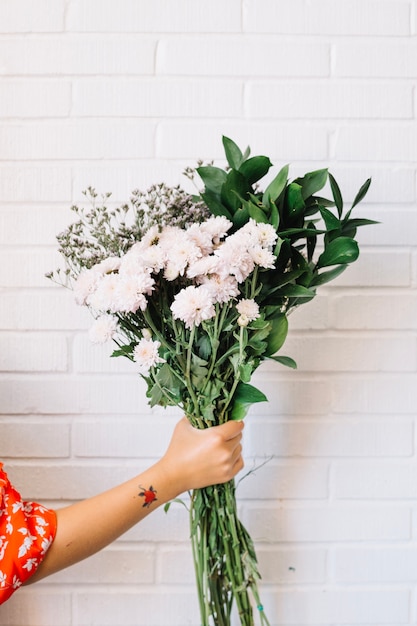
(245,395)
(362,192)
(234,155)
(213,177)
(276,187)
(337,196)
(255,168)
(278,334)
(339,251)
(312,182)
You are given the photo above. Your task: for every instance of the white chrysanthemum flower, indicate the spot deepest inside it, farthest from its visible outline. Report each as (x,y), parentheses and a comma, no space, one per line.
(131,263)
(262,257)
(103,299)
(234,259)
(111,264)
(200,238)
(129,296)
(151,237)
(249,311)
(169,236)
(146,355)
(181,253)
(85,285)
(222,288)
(153,258)
(202,267)
(217,226)
(103,329)
(267,235)
(248,307)
(192,305)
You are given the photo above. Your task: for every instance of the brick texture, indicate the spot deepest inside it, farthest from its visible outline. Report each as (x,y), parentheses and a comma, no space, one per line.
(122,95)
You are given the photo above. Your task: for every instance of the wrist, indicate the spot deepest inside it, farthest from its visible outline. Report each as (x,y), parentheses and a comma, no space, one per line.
(171,482)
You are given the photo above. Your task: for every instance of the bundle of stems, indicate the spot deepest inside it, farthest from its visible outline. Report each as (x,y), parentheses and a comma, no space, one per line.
(224,558)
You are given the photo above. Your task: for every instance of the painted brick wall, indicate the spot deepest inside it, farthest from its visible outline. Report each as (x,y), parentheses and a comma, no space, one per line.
(120,95)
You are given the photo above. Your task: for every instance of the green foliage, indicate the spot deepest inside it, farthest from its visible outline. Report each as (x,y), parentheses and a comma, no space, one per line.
(207,370)
(303,221)
(245,395)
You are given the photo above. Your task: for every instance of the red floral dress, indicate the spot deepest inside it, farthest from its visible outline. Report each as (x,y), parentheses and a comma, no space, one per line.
(27,530)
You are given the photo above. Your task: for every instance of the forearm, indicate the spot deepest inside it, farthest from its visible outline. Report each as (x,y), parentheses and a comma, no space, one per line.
(194,459)
(87,526)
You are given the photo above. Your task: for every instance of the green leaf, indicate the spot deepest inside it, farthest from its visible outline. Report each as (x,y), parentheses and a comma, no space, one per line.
(240,217)
(235,188)
(212,177)
(245,371)
(246,154)
(204,347)
(124,351)
(234,154)
(274,216)
(290,291)
(326,277)
(311,242)
(214,204)
(199,370)
(312,182)
(301,232)
(339,251)
(277,336)
(167,505)
(294,203)
(337,196)
(362,192)
(245,395)
(276,186)
(248,394)
(331,221)
(256,213)
(285,360)
(356,222)
(255,168)
(278,280)
(165,377)
(155,395)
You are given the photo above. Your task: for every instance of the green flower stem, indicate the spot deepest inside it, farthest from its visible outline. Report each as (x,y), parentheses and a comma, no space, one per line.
(159,335)
(218,324)
(224,558)
(236,376)
(196,413)
(253,282)
(227,519)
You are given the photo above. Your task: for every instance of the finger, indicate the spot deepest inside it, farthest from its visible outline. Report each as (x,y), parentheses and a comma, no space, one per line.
(231,429)
(236,453)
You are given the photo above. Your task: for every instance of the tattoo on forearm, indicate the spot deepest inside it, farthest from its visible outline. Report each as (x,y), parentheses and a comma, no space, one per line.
(149,495)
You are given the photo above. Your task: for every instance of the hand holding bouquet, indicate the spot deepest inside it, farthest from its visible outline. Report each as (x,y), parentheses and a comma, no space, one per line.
(196,291)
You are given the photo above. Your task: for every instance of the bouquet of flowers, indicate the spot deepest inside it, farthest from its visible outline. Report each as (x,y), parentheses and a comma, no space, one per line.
(196,291)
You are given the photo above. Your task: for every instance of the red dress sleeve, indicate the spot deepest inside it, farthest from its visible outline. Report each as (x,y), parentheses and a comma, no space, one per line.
(27,529)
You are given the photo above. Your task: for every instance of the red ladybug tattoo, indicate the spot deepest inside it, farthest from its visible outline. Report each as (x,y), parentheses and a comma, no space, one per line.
(149,495)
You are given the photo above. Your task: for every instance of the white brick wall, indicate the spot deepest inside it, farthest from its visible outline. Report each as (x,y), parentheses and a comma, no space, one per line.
(119,95)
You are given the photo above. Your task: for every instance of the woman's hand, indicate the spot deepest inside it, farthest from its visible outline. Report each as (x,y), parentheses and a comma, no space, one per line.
(196,458)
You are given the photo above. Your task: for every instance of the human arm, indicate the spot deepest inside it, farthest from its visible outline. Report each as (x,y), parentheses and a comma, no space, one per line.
(194,459)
